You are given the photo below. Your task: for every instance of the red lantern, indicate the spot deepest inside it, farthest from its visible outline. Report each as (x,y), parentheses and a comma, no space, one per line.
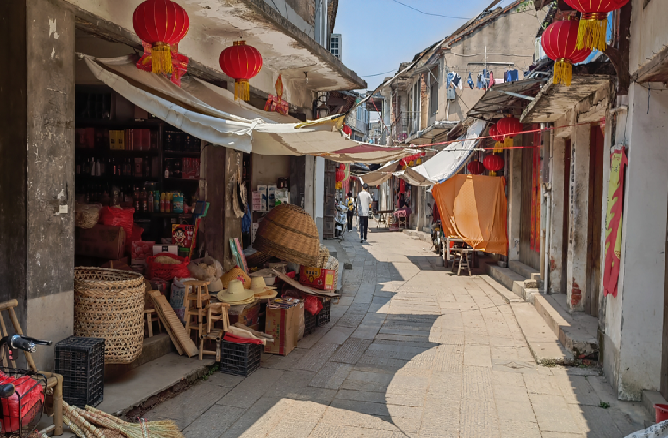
(559,42)
(241,62)
(509,127)
(162,24)
(475,167)
(342,166)
(347,130)
(493,163)
(494,133)
(593,25)
(340,175)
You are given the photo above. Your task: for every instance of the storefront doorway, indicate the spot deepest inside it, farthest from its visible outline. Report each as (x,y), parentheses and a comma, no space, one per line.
(595,220)
(531,200)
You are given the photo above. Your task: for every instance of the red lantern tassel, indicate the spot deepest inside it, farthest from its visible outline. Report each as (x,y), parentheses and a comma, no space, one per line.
(563,72)
(242,90)
(592,31)
(161,57)
(507,143)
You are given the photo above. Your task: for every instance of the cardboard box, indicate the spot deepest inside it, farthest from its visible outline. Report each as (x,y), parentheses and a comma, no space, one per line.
(100,241)
(173,249)
(249,316)
(317,278)
(283,196)
(262,189)
(140,250)
(283,324)
(271,196)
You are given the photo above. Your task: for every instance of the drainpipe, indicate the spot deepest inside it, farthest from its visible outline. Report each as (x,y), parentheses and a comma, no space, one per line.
(548,222)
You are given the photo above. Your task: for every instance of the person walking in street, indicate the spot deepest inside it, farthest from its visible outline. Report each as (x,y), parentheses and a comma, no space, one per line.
(363,202)
(350,204)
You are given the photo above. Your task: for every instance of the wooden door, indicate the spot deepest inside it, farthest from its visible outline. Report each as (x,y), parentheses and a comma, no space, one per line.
(565,232)
(329,220)
(531,201)
(664,338)
(595,220)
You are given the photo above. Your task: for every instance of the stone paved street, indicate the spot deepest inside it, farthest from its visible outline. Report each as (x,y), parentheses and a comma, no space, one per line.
(411,351)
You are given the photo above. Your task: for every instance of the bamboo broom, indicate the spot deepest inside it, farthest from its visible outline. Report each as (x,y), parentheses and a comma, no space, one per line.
(79,426)
(156,429)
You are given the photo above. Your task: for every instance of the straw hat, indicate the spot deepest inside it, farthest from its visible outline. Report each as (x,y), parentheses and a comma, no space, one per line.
(236,273)
(260,289)
(289,233)
(236,294)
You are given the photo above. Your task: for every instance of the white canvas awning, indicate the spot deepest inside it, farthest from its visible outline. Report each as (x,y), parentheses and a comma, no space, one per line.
(380,175)
(211,113)
(448,162)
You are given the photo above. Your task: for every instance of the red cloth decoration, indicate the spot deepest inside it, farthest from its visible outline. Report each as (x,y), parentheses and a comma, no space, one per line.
(559,42)
(402,187)
(312,304)
(162,24)
(236,339)
(475,167)
(493,163)
(179,63)
(276,103)
(241,62)
(593,24)
(347,130)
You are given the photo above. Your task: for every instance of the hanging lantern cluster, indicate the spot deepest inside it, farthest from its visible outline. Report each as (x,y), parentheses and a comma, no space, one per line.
(593,25)
(493,163)
(241,62)
(559,42)
(412,160)
(475,167)
(508,128)
(161,24)
(340,176)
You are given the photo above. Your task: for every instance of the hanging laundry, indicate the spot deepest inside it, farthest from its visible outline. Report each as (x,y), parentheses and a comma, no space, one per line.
(449,79)
(499,81)
(491,79)
(470,81)
(511,75)
(481,81)
(457,81)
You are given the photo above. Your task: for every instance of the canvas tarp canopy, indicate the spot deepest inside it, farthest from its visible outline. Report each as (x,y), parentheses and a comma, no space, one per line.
(211,114)
(449,161)
(380,175)
(474,208)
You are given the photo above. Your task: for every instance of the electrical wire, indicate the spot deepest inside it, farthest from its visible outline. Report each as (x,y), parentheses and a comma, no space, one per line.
(431,13)
(378,74)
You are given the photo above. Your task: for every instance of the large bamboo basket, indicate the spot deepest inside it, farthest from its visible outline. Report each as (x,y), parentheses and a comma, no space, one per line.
(290,234)
(109,304)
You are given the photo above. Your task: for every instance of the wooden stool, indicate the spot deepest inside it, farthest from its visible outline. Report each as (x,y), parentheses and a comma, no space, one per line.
(464,260)
(215,312)
(195,302)
(151,316)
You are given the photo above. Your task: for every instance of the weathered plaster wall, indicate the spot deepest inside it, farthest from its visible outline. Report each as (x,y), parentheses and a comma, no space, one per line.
(267,169)
(638,330)
(509,38)
(648,30)
(514,204)
(37,178)
(556,268)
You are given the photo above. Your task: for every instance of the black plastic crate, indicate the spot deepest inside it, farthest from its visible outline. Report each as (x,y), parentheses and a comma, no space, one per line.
(80,360)
(240,358)
(310,322)
(325,314)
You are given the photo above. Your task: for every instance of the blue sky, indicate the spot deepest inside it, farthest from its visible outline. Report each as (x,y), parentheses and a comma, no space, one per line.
(379,34)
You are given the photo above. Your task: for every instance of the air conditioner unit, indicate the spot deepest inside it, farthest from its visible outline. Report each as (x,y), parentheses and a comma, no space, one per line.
(451,94)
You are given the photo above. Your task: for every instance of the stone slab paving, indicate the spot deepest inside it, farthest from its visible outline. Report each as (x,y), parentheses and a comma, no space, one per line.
(412,351)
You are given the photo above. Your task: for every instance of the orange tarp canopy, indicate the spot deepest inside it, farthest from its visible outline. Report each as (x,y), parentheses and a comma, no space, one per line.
(474,208)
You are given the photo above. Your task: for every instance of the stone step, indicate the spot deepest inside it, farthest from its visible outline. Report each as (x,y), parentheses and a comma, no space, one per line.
(142,385)
(155,347)
(578,332)
(524,270)
(544,345)
(516,283)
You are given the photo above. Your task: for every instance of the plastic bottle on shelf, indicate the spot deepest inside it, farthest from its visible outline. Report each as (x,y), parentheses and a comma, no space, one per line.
(156,201)
(150,201)
(168,203)
(162,202)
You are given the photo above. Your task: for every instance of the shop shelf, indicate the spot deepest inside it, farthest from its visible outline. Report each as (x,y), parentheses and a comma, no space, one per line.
(181,154)
(240,358)
(80,360)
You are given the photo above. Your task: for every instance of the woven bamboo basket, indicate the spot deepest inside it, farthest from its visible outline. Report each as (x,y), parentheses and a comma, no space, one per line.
(257,259)
(323,257)
(290,234)
(109,304)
